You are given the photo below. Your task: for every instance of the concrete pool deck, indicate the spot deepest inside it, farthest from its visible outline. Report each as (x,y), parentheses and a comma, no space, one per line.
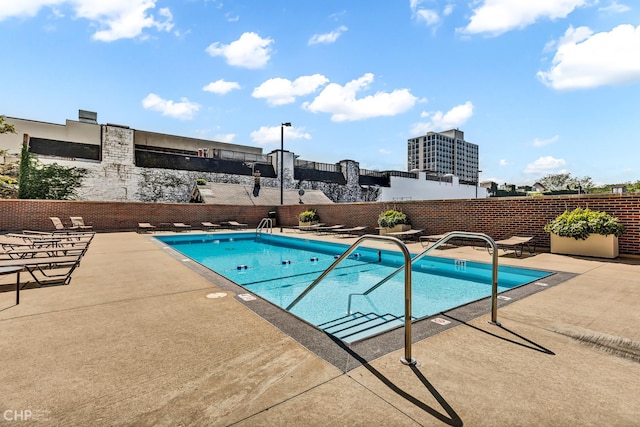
(134,340)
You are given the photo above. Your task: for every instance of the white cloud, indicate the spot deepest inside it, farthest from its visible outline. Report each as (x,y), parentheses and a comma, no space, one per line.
(545,165)
(329,37)
(343,105)
(115,19)
(279,91)
(438,120)
(183,110)
(499,16)
(226,137)
(448,9)
(230,17)
(428,16)
(249,51)
(615,7)
(26,9)
(221,87)
(586,60)
(503,162)
(270,135)
(542,142)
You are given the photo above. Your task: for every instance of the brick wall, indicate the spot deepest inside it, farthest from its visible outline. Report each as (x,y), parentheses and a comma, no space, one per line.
(497,217)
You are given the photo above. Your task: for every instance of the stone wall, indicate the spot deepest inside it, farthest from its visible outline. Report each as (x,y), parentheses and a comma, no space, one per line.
(117,178)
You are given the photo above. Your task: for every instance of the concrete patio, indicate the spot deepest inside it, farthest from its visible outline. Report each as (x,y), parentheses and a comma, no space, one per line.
(134,340)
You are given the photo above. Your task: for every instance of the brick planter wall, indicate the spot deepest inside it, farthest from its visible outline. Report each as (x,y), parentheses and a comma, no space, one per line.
(497,217)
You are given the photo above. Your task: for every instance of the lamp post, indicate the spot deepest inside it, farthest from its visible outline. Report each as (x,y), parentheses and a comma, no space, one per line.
(282,165)
(477,181)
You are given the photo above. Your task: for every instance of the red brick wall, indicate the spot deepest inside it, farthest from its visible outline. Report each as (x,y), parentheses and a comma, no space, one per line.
(497,217)
(119,216)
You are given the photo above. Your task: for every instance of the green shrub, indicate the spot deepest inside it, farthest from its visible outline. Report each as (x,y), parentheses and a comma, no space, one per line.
(580,223)
(308,216)
(391,218)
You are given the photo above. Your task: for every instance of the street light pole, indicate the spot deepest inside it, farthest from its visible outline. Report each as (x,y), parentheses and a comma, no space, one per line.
(282,165)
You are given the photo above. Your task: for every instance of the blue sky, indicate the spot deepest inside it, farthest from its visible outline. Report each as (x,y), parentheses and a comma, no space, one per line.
(542,86)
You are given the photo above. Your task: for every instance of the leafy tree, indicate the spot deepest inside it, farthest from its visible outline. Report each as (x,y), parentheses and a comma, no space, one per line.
(632,187)
(564,181)
(6,127)
(8,180)
(54,182)
(8,173)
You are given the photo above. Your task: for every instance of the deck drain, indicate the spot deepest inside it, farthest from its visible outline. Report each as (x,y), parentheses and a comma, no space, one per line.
(217,295)
(246,297)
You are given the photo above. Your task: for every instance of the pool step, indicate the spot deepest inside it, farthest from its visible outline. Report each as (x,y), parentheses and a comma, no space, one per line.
(356,326)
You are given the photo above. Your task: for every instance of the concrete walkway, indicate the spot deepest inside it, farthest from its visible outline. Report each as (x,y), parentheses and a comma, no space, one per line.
(134,340)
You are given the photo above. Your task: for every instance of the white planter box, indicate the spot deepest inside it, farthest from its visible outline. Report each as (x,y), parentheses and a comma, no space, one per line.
(398,228)
(307,224)
(595,245)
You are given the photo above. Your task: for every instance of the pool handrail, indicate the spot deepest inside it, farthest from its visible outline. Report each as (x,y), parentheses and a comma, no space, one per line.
(442,241)
(265,223)
(407,359)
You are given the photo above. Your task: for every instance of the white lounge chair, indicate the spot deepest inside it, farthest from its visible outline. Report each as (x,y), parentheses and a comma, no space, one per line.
(78,223)
(352,231)
(209,226)
(406,235)
(145,227)
(181,226)
(516,244)
(236,224)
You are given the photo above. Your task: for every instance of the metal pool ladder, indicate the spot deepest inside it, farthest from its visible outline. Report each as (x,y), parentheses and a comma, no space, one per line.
(265,223)
(407,359)
(442,241)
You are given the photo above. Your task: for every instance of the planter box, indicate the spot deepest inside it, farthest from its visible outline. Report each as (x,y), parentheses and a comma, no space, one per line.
(595,245)
(398,228)
(307,224)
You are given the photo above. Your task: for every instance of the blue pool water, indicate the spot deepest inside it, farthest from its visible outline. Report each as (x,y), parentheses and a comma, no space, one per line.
(279,268)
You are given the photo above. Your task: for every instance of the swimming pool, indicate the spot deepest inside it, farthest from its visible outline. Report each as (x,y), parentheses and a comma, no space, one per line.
(279,268)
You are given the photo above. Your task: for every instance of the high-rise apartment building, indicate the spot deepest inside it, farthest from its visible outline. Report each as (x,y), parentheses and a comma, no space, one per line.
(444,153)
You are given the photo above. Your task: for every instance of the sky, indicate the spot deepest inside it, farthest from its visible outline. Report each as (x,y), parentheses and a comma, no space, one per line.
(541,86)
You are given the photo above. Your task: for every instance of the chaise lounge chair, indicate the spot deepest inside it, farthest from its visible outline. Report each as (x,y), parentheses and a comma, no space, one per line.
(181,226)
(47,264)
(59,225)
(353,231)
(313,227)
(47,270)
(209,226)
(330,229)
(78,223)
(236,224)
(516,244)
(61,249)
(144,227)
(426,240)
(406,235)
(51,240)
